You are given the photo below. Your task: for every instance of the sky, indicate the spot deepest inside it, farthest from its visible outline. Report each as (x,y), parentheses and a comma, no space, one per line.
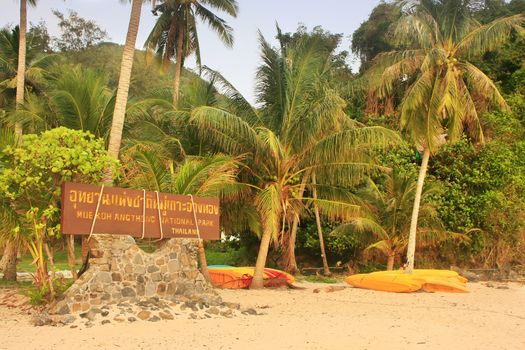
(237,64)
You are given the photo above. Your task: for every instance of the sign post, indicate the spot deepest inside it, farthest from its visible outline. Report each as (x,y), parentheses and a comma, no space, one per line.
(88,209)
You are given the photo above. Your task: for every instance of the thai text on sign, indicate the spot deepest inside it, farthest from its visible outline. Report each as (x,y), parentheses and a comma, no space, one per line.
(92,209)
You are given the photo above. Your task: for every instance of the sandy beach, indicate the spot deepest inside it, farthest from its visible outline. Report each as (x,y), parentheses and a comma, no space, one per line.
(487,318)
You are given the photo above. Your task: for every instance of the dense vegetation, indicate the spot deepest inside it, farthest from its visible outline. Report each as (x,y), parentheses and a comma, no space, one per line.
(322,170)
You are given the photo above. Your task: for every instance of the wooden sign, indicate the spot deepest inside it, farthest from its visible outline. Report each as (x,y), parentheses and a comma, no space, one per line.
(137,213)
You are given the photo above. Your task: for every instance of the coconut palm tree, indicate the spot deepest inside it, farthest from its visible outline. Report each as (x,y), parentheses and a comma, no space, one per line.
(300,105)
(276,171)
(175,33)
(121,101)
(21,71)
(445,92)
(75,98)
(390,206)
(300,128)
(38,65)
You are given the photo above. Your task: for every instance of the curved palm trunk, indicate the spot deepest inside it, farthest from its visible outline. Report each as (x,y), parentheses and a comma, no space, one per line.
(203,262)
(415,212)
(8,262)
(178,69)
(21,71)
(326,269)
(390,262)
(289,262)
(258,278)
(119,114)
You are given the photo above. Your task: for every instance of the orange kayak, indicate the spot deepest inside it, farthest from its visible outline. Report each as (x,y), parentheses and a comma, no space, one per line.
(230,277)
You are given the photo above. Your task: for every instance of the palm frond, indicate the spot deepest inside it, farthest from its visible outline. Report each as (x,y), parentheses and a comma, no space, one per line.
(489,36)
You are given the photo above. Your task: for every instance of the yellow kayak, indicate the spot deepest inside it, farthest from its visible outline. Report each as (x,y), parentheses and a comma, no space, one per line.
(400,282)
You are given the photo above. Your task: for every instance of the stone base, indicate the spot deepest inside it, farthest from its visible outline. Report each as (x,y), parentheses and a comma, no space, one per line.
(120,271)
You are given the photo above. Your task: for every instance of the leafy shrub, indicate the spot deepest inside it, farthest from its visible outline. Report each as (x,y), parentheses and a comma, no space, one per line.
(30,184)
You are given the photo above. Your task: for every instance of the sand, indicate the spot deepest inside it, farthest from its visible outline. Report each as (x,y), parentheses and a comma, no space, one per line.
(486,318)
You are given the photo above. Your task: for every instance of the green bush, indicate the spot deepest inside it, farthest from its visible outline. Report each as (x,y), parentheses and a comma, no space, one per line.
(30,184)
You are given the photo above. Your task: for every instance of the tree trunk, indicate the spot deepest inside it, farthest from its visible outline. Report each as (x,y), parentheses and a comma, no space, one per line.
(119,114)
(289,262)
(258,274)
(390,262)
(21,71)
(71,256)
(8,262)
(202,261)
(50,277)
(178,69)
(326,269)
(415,212)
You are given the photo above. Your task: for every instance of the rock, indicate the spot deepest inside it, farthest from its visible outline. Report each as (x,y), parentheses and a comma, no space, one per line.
(119,319)
(154,319)
(151,289)
(73,326)
(213,310)
(103,277)
(329,289)
(166,315)
(106,321)
(128,292)
(64,310)
(132,319)
(173,266)
(116,277)
(471,276)
(69,319)
(41,319)
(104,313)
(234,306)
(137,260)
(90,315)
(144,315)
(193,316)
(513,275)
(152,269)
(227,313)
(249,312)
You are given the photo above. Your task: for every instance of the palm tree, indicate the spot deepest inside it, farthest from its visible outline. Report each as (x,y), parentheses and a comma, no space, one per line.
(121,100)
(21,71)
(445,92)
(175,32)
(75,98)
(275,171)
(36,67)
(300,128)
(301,106)
(387,226)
